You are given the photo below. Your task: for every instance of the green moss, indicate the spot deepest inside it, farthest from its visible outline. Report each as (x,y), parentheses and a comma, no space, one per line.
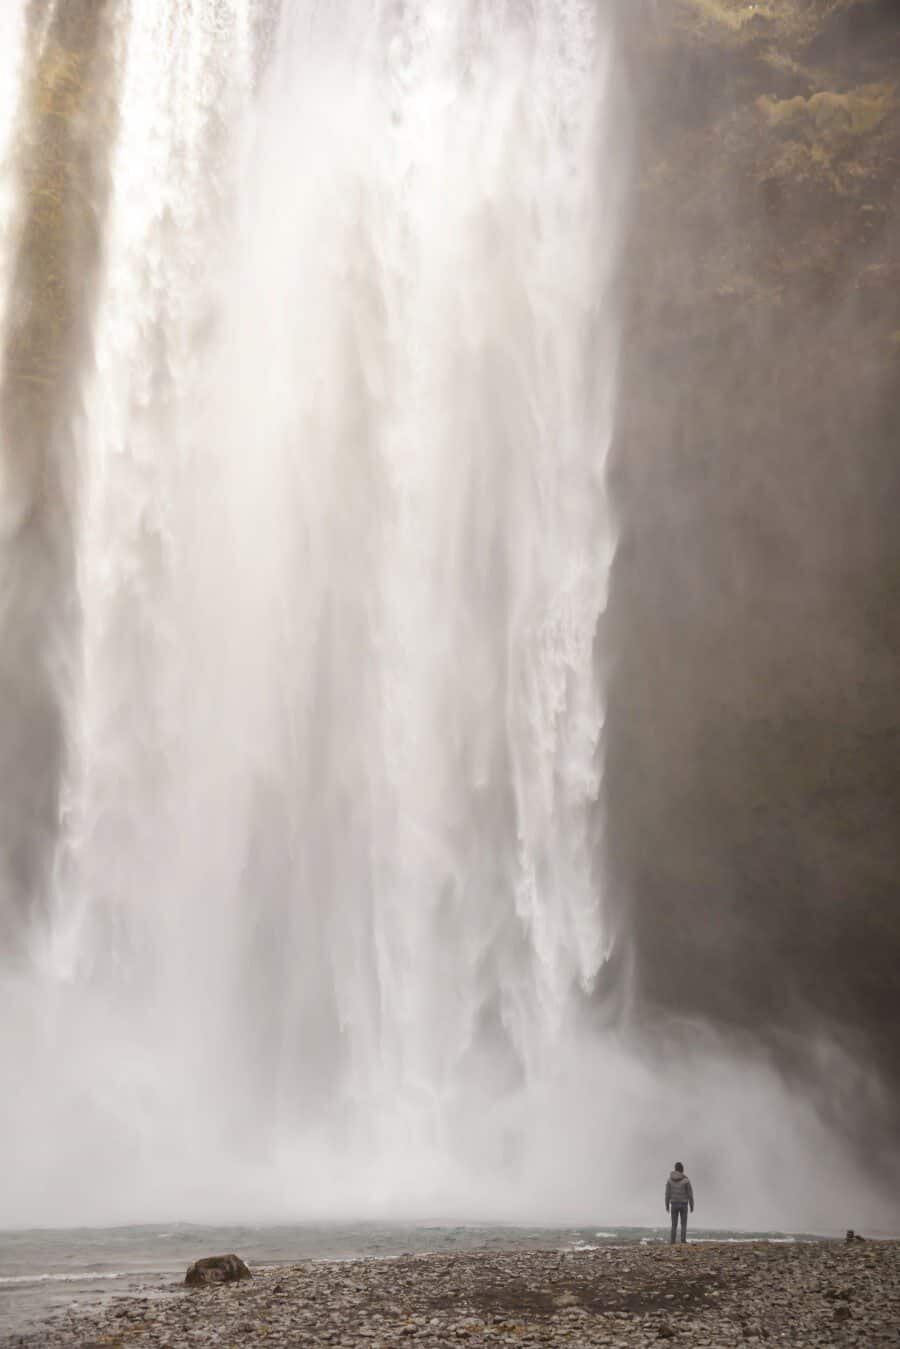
(731,14)
(831,115)
(782,20)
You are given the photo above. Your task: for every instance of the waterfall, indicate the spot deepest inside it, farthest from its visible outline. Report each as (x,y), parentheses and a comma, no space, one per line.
(322,884)
(309,330)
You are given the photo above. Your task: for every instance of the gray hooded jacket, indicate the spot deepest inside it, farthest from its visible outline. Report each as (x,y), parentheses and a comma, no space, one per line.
(679,1189)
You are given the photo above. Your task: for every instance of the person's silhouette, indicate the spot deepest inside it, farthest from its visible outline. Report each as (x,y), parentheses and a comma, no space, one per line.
(679,1196)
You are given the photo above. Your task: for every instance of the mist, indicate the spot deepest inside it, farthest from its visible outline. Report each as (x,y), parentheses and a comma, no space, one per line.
(753,766)
(449,729)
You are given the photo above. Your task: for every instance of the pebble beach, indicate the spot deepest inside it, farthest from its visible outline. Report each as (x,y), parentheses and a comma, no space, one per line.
(715,1294)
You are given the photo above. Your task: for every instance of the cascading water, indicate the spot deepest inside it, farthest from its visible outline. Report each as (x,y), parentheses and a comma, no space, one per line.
(309,371)
(323,882)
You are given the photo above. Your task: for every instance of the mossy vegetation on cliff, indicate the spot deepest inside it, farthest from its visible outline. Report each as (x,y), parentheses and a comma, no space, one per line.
(753,747)
(772,131)
(834,117)
(793,22)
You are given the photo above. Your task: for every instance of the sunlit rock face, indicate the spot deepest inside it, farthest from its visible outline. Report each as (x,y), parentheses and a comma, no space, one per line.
(754,730)
(57,165)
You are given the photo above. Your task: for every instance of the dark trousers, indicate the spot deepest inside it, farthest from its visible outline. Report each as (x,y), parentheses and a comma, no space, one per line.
(679,1211)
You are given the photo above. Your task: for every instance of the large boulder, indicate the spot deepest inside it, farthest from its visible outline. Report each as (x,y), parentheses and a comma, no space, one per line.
(216,1269)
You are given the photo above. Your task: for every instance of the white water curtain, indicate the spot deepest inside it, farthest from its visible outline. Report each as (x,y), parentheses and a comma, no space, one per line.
(326,882)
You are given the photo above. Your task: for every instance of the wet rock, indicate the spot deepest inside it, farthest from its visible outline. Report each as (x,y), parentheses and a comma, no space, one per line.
(720,1295)
(216,1269)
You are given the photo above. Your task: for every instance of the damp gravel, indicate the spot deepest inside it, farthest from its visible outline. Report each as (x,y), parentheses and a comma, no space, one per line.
(722,1294)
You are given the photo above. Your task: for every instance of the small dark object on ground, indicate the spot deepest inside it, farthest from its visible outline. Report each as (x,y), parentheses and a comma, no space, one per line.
(853,1236)
(216,1269)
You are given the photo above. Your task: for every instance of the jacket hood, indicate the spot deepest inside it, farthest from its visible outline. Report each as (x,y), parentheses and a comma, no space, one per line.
(678,1175)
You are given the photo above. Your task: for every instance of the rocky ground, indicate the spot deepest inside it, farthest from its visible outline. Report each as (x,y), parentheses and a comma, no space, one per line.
(717,1294)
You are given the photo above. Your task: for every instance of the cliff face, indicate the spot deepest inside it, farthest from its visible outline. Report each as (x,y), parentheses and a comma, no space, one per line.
(64,129)
(754,729)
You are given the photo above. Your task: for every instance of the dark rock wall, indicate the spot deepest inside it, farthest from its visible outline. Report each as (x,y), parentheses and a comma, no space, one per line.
(753,775)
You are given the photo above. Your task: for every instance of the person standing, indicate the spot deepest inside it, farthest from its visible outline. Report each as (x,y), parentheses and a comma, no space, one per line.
(679,1196)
